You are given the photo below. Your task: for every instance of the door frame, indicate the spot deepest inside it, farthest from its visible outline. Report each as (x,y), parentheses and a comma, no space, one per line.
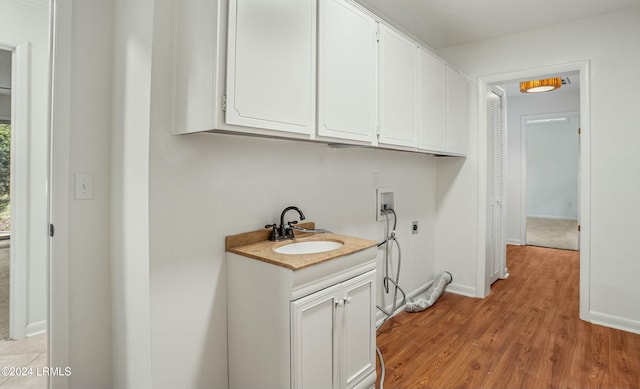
(523,166)
(482,282)
(18,253)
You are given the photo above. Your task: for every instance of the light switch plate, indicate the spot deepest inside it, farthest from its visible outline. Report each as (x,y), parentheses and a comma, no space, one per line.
(83,186)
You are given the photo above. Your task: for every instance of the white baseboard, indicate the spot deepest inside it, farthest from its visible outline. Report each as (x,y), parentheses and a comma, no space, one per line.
(516,242)
(619,323)
(463,290)
(37,328)
(553,217)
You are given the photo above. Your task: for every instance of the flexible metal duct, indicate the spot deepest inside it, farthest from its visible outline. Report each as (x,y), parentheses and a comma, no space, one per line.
(431,295)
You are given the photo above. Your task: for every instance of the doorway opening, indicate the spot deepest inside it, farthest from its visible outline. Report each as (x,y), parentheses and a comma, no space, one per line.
(513,226)
(549,185)
(24,167)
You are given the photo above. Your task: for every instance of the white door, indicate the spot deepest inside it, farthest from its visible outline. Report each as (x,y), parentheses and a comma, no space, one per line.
(271,65)
(496,247)
(398,81)
(431,102)
(313,323)
(358,334)
(347,63)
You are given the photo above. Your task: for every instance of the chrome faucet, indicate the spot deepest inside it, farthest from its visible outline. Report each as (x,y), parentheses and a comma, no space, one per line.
(284,231)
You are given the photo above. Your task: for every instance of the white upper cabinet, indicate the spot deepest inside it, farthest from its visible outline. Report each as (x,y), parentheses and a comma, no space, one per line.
(456,112)
(271,65)
(200,30)
(346,72)
(397,83)
(431,102)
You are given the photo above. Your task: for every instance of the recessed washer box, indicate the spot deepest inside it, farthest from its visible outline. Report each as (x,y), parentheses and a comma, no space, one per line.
(384,196)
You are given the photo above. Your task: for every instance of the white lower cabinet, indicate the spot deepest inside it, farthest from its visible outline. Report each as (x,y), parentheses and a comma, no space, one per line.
(303,329)
(333,335)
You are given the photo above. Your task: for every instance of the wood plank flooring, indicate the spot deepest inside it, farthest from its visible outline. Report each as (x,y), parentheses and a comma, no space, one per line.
(525,334)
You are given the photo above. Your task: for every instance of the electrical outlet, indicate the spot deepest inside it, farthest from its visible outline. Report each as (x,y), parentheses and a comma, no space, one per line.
(414,227)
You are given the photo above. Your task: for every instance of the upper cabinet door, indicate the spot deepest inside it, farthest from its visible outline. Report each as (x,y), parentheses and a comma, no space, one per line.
(347,72)
(271,62)
(431,102)
(456,112)
(397,59)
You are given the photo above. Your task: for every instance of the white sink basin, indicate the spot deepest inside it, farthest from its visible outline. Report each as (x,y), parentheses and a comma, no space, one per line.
(310,247)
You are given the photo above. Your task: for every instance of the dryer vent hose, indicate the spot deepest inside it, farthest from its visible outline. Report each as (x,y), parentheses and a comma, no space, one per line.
(428,298)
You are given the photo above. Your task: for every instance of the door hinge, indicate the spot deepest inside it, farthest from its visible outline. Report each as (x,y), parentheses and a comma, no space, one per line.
(578,227)
(51,230)
(579,131)
(224,103)
(377,32)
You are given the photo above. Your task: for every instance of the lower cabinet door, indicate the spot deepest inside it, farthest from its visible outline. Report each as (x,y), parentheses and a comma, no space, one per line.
(333,336)
(313,322)
(358,332)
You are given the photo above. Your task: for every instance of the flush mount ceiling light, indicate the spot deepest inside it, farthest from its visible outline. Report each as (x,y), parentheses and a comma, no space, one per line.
(538,86)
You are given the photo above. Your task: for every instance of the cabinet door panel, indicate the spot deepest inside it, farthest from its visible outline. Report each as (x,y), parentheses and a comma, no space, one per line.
(397,88)
(347,72)
(271,64)
(359,328)
(431,102)
(313,325)
(456,112)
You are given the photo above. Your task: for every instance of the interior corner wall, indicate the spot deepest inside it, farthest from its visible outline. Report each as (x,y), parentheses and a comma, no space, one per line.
(517,107)
(609,42)
(131,114)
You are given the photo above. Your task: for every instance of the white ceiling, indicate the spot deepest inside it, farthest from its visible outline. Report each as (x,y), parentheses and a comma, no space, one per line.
(445,23)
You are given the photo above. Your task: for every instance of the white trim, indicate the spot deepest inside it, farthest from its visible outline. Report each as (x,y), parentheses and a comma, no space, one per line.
(37,328)
(616,322)
(552,217)
(60,84)
(463,290)
(585,171)
(515,242)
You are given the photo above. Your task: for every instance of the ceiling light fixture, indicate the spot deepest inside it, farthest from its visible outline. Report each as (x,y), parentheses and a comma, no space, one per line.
(538,86)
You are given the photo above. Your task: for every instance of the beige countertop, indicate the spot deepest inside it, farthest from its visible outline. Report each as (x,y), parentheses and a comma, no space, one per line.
(256,244)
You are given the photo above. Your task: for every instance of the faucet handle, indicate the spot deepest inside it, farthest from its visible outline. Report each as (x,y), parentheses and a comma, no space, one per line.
(293,222)
(274,232)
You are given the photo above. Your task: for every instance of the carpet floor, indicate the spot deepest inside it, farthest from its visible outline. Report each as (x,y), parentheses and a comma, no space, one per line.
(553,233)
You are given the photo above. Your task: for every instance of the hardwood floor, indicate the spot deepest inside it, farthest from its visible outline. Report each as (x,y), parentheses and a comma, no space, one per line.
(525,334)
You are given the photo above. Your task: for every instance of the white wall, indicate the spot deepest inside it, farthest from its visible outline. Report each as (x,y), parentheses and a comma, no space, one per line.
(204,187)
(610,44)
(517,107)
(23,22)
(81,320)
(552,169)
